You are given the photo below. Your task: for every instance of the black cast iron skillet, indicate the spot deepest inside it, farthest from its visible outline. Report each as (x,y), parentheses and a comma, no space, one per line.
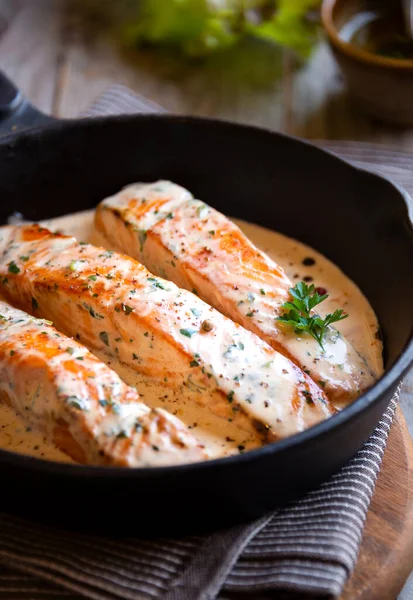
(359,220)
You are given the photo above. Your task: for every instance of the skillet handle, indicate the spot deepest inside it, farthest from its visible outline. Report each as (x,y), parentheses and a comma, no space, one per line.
(16,112)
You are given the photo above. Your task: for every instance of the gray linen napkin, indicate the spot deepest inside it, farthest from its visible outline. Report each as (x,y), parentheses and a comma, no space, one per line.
(308,548)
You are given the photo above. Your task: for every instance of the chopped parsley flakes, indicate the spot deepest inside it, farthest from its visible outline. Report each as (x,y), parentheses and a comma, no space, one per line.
(13,268)
(188,332)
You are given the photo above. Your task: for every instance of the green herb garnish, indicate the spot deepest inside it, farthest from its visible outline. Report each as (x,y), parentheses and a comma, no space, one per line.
(79,403)
(228,352)
(142,239)
(156,283)
(104,337)
(73,265)
(199,28)
(193,386)
(13,268)
(127,309)
(188,332)
(297,312)
(202,211)
(92,313)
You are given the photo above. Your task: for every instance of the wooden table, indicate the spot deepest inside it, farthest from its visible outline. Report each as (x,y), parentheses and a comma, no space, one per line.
(62,64)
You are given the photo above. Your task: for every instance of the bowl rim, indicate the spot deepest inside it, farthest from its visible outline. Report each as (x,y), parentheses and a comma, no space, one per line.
(354,51)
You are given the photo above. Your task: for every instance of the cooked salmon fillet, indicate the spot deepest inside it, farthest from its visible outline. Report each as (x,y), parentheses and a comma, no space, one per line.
(111,303)
(198,248)
(79,403)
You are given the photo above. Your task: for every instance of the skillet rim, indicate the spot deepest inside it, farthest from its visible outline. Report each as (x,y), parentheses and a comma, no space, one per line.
(389,379)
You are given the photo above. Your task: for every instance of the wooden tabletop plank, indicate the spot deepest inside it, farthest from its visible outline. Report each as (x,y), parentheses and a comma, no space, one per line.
(386,551)
(247,90)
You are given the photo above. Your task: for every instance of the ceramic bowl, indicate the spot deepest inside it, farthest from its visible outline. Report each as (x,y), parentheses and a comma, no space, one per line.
(379,85)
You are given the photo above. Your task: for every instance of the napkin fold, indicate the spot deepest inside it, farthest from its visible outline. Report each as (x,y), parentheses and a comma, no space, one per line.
(307,549)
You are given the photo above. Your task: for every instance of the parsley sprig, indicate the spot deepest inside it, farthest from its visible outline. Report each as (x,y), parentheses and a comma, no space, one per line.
(297,312)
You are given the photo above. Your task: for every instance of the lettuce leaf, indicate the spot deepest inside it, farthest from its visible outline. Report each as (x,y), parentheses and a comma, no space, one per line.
(198,28)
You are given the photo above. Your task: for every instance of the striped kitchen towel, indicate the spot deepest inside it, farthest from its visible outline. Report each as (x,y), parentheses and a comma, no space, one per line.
(307,549)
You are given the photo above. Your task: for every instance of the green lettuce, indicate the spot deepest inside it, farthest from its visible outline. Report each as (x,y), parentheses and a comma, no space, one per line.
(199,28)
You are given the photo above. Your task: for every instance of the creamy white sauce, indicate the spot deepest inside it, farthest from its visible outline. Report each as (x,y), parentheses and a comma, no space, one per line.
(17,437)
(220,437)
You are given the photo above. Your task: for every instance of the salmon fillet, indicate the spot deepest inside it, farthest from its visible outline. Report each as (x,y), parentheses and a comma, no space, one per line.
(198,248)
(79,403)
(111,303)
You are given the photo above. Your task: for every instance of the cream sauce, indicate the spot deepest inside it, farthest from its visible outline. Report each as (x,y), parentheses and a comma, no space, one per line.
(220,437)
